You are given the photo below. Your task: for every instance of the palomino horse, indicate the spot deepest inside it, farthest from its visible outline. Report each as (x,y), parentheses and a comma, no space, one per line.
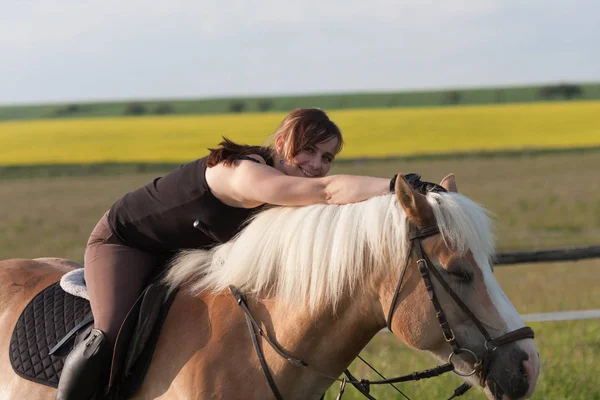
(321,282)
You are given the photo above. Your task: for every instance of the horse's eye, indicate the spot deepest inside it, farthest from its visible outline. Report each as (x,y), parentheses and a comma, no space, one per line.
(461,277)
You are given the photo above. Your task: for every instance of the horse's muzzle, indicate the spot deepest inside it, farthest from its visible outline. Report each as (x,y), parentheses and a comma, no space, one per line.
(511,374)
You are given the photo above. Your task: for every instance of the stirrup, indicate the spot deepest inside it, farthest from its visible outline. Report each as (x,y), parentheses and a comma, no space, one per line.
(86,368)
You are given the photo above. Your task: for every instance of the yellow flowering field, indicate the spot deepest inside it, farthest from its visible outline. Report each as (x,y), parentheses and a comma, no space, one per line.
(367,133)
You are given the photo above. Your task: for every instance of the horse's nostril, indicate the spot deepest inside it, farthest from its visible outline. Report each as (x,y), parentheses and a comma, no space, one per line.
(527,369)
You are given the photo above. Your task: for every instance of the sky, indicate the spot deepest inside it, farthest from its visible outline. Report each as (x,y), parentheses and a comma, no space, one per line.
(64,51)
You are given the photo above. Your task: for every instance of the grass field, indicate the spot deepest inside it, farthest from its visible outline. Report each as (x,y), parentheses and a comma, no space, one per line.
(368,133)
(539,201)
(568,351)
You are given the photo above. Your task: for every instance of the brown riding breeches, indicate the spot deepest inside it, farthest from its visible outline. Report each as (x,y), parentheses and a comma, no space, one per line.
(115,276)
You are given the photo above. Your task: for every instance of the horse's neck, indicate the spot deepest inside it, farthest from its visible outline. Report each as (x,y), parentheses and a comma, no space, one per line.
(211,346)
(327,342)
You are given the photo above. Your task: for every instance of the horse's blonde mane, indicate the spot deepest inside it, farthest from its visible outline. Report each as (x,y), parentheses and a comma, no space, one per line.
(313,255)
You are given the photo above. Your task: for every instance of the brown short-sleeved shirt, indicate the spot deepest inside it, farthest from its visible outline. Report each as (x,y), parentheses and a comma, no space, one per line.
(160,216)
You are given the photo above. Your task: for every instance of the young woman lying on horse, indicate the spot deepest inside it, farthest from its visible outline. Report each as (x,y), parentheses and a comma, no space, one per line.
(200,204)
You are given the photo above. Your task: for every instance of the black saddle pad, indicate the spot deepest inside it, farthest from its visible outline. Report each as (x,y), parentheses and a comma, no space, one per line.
(48,317)
(56,320)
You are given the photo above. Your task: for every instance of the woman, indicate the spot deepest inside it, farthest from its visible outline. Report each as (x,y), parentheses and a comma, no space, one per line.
(199,205)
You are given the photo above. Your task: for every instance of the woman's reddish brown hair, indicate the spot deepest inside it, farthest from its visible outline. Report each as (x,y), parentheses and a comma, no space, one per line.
(302,128)
(228,152)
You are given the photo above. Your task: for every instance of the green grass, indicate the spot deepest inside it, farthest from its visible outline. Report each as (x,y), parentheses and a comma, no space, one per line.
(591,91)
(539,200)
(569,366)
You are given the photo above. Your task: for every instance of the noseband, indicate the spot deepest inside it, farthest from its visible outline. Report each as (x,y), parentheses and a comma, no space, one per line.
(425,268)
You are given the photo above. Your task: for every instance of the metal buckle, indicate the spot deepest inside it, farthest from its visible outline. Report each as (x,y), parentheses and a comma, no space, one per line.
(342,388)
(449,339)
(476,364)
(487,348)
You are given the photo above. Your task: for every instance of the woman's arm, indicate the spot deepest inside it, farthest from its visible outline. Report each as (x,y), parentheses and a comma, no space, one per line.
(249,184)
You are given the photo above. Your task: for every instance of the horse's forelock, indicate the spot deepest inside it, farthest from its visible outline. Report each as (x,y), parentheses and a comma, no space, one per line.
(464,225)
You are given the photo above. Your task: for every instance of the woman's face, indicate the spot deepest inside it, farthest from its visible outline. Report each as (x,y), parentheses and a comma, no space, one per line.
(313,162)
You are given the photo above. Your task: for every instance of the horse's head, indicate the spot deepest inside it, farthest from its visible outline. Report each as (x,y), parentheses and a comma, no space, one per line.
(452,246)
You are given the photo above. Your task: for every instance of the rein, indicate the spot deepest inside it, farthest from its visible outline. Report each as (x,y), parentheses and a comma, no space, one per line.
(425,267)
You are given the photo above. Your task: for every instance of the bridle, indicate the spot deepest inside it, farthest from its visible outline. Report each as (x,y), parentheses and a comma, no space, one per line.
(425,267)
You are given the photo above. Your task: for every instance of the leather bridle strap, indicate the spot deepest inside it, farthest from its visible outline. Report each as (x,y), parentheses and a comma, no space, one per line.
(415,234)
(241,300)
(362,385)
(425,265)
(398,286)
(522,333)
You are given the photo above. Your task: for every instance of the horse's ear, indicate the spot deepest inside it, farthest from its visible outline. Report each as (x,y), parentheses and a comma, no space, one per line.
(449,183)
(415,205)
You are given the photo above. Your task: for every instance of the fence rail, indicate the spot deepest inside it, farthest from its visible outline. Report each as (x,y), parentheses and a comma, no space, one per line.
(551,255)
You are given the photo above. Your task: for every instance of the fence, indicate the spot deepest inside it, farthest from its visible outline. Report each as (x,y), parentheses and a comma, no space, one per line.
(562,254)
(551,255)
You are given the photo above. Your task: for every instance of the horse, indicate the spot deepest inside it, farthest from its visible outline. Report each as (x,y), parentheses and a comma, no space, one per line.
(282,309)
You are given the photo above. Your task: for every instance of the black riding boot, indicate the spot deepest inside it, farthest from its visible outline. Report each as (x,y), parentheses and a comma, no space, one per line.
(86,368)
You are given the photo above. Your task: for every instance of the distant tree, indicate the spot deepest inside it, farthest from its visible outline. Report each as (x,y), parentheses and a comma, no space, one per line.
(163,108)
(547,92)
(237,106)
(67,110)
(73,108)
(265,105)
(452,97)
(500,96)
(134,109)
(562,91)
(571,91)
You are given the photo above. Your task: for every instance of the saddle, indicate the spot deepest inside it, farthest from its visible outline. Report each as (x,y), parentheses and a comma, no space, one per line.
(54,321)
